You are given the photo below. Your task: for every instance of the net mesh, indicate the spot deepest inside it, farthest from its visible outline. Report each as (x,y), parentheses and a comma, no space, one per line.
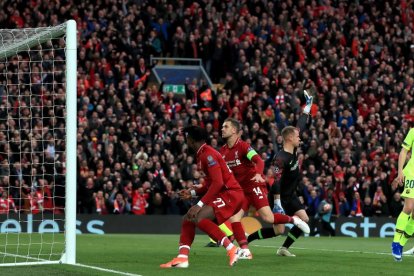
(32,144)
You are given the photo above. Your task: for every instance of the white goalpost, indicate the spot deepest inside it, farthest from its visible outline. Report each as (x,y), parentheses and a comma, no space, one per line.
(38,145)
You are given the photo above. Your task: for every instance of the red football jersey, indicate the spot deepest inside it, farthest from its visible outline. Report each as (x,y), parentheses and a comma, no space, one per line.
(237,160)
(218,177)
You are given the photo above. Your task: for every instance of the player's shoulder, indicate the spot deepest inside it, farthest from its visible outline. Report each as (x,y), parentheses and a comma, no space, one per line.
(224,148)
(281,153)
(210,151)
(408,142)
(203,151)
(207,149)
(241,144)
(281,156)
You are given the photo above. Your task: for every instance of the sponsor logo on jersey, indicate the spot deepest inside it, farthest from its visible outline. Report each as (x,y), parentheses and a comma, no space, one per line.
(233,163)
(295,166)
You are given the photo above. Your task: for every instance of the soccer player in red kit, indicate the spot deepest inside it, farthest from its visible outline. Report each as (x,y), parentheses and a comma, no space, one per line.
(222,198)
(247,166)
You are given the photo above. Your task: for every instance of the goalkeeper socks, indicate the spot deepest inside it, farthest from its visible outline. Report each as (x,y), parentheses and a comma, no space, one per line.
(292,236)
(229,230)
(239,234)
(264,233)
(402,222)
(409,230)
(226,229)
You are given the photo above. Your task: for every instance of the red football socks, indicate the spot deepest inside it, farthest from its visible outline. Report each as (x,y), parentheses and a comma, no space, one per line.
(281,219)
(239,234)
(187,237)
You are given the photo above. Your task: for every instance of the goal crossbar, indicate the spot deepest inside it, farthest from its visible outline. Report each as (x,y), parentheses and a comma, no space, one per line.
(14,41)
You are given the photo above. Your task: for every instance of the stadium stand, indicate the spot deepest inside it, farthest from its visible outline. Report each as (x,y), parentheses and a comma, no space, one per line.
(358,54)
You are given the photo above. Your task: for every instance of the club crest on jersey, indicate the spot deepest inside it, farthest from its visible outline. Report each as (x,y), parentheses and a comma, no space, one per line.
(211,161)
(236,154)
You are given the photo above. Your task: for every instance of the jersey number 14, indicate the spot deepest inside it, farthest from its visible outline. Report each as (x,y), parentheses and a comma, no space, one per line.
(258,192)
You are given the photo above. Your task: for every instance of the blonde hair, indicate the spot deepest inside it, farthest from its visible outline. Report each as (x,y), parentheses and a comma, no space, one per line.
(287,131)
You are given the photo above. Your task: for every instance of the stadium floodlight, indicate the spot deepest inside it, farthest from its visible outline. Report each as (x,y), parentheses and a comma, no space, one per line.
(38,145)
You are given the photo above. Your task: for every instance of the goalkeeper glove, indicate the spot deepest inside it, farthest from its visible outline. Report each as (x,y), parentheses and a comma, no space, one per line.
(309,101)
(277,208)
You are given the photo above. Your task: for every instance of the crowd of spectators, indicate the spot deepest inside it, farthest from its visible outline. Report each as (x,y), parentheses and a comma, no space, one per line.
(131,157)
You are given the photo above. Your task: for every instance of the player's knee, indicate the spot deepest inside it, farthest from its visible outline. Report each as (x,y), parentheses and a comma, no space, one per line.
(184,218)
(408,207)
(269,218)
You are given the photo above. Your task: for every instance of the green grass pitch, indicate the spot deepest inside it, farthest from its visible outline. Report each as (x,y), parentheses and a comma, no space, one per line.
(142,255)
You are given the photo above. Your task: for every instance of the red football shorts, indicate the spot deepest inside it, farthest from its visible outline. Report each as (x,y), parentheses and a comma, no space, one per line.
(227,204)
(255,195)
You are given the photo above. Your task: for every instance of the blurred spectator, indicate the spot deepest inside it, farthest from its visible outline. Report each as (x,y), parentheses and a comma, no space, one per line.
(343,205)
(35,199)
(325,213)
(396,205)
(357,205)
(379,203)
(119,203)
(101,203)
(139,202)
(368,209)
(6,203)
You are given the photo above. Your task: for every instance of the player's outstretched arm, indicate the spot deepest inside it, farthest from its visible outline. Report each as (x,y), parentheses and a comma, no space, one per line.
(306,112)
(309,102)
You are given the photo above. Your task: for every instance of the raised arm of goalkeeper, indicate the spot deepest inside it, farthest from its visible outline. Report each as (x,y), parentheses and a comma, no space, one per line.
(306,112)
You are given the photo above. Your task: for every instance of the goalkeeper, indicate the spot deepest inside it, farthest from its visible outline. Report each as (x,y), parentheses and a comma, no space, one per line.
(287,177)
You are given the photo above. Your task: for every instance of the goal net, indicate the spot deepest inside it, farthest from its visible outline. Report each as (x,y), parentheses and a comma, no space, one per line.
(38,145)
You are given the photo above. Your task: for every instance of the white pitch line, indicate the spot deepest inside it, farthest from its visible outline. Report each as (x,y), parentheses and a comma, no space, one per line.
(107,270)
(333,250)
